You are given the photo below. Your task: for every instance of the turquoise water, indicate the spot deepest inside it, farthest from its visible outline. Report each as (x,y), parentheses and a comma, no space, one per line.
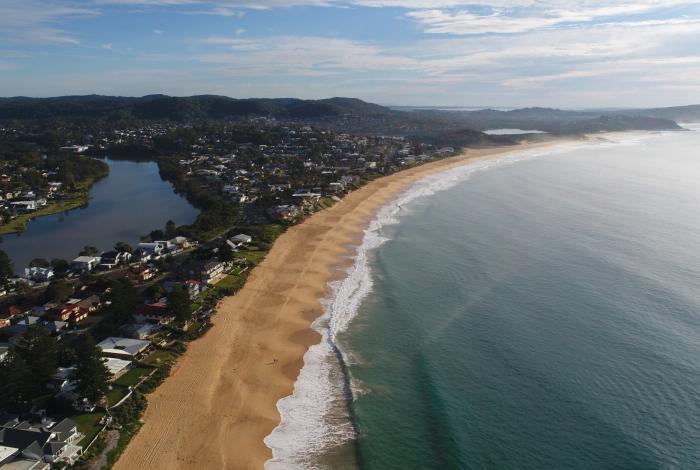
(540,314)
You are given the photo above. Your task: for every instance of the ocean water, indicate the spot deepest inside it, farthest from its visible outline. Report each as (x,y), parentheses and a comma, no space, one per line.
(538,311)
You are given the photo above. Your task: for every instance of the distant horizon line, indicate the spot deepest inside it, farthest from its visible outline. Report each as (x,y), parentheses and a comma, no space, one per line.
(386,105)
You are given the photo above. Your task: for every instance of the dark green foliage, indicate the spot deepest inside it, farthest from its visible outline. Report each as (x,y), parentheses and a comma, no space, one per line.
(58,291)
(39,263)
(89,251)
(123,247)
(16,383)
(170,229)
(179,305)
(91,373)
(38,349)
(225,252)
(60,266)
(6,268)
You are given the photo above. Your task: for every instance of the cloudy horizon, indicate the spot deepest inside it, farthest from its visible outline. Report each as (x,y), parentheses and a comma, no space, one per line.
(504,53)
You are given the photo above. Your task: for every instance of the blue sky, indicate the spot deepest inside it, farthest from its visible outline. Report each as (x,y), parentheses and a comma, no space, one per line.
(566,53)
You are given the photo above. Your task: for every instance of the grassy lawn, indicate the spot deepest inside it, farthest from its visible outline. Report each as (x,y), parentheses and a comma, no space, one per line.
(230,281)
(133,376)
(160,357)
(116,394)
(20,223)
(88,424)
(254,257)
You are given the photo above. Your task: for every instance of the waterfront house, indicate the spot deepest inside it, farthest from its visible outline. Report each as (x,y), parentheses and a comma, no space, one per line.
(123,348)
(193,287)
(241,239)
(153,313)
(25,445)
(112,259)
(153,249)
(142,330)
(212,272)
(38,274)
(283,212)
(84,264)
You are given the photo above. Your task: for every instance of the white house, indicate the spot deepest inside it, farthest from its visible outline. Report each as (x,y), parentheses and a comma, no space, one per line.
(84,264)
(38,274)
(123,348)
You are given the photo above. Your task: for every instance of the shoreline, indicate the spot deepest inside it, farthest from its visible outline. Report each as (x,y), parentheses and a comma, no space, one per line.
(252,357)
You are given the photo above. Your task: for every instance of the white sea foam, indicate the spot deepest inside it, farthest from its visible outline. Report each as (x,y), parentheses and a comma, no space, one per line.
(314,418)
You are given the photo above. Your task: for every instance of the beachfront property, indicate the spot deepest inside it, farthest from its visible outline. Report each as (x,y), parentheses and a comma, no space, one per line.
(123,348)
(30,445)
(239,241)
(284,212)
(213,271)
(156,313)
(193,287)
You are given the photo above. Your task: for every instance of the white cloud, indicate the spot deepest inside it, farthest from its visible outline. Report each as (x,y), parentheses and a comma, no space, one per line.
(34,21)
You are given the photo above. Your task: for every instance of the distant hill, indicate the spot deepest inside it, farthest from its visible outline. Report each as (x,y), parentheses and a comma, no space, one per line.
(558,121)
(348,114)
(162,107)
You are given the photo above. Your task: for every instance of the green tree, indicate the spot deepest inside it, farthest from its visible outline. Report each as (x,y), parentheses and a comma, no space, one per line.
(91,373)
(39,351)
(6,268)
(123,246)
(179,305)
(16,382)
(156,235)
(39,263)
(89,250)
(125,298)
(170,229)
(60,266)
(154,291)
(59,291)
(225,252)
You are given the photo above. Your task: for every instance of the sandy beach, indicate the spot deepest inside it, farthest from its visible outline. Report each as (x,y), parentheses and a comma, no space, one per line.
(220,401)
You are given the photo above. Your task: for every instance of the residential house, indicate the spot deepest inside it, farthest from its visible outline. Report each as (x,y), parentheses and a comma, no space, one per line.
(38,274)
(212,272)
(112,259)
(123,348)
(150,250)
(37,446)
(241,239)
(84,264)
(153,313)
(193,287)
(283,212)
(144,273)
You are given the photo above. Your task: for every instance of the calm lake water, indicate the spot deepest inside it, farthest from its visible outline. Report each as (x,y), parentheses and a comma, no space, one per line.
(129,203)
(543,314)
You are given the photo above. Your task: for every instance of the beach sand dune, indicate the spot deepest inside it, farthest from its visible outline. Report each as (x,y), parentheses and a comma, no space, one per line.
(219,403)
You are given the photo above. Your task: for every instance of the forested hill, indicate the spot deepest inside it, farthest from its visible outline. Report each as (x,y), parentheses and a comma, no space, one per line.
(348,114)
(161,107)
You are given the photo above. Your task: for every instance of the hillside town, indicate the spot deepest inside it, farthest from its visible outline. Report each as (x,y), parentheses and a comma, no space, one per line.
(82,340)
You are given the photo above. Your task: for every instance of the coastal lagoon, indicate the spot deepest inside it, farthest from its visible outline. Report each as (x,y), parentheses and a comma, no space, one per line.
(539,310)
(127,204)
